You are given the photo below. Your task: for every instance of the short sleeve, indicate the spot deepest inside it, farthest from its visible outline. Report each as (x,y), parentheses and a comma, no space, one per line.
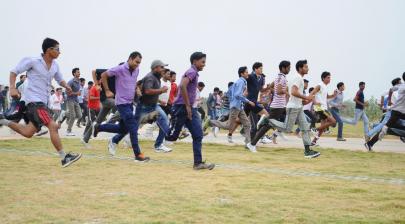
(24,65)
(148,83)
(58,75)
(113,71)
(191,75)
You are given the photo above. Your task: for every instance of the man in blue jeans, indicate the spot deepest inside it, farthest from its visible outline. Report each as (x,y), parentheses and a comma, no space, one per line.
(336,104)
(186,114)
(126,76)
(359,110)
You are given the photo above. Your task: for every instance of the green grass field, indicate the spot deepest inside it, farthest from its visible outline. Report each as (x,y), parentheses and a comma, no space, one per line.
(272,186)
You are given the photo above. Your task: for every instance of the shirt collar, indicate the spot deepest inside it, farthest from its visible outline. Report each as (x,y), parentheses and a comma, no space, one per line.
(194,68)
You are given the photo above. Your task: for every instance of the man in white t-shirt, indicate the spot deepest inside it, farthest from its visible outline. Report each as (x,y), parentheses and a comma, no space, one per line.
(55,102)
(164,97)
(294,108)
(321,106)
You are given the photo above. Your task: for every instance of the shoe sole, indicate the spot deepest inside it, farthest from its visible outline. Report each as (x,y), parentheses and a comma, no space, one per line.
(77,158)
(313,156)
(144,161)
(43,133)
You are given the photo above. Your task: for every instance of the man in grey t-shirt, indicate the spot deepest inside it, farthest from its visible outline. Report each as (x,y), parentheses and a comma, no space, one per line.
(72,102)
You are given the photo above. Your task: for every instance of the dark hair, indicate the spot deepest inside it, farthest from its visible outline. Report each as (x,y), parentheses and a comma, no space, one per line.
(59,88)
(300,64)
(310,89)
(134,55)
(230,84)
(166,70)
(257,65)
(324,75)
(82,79)
(242,70)
(403,76)
(339,84)
(90,83)
(201,84)
(121,63)
(220,92)
(284,64)
(306,81)
(22,76)
(197,56)
(74,70)
(216,89)
(361,83)
(48,43)
(395,81)
(172,73)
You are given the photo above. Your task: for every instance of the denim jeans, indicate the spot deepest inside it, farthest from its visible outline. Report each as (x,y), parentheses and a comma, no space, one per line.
(358,113)
(336,114)
(379,126)
(193,125)
(128,124)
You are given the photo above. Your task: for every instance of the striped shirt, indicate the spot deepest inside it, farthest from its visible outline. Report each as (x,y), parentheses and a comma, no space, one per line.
(279,101)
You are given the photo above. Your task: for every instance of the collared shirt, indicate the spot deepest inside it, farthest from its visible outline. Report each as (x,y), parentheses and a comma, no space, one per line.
(40,78)
(150,81)
(125,83)
(254,85)
(192,75)
(337,102)
(75,85)
(279,101)
(237,98)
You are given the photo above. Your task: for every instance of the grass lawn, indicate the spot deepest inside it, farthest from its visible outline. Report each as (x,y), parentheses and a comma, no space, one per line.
(244,188)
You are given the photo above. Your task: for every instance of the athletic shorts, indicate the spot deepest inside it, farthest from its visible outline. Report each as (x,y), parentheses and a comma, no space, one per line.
(277,114)
(38,114)
(323,114)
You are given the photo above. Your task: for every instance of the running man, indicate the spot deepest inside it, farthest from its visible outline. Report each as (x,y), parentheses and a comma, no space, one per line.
(40,72)
(126,76)
(185,114)
(295,109)
(321,106)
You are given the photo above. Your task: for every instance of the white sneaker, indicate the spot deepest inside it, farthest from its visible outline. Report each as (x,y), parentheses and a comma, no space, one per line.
(216,131)
(265,140)
(70,134)
(230,140)
(163,148)
(112,147)
(251,147)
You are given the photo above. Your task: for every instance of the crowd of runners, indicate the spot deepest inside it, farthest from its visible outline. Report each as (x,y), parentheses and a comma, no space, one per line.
(117,101)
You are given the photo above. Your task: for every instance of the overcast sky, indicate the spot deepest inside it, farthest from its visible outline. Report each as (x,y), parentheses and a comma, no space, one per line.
(354,40)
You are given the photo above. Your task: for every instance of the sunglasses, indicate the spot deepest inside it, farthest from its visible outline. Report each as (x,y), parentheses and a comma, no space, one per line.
(55,48)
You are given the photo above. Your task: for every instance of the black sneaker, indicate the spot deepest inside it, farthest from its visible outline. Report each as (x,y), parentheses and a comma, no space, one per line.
(70,158)
(368,147)
(141,158)
(311,154)
(203,166)
(96,130)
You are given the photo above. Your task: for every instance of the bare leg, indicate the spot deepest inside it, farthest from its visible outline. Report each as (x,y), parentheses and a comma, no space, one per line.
(25,130)
(53,132)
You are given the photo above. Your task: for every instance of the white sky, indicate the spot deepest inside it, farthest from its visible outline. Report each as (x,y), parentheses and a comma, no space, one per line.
(356,40)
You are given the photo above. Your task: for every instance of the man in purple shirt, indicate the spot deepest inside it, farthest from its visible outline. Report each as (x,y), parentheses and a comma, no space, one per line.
(185,114)
(126,76)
